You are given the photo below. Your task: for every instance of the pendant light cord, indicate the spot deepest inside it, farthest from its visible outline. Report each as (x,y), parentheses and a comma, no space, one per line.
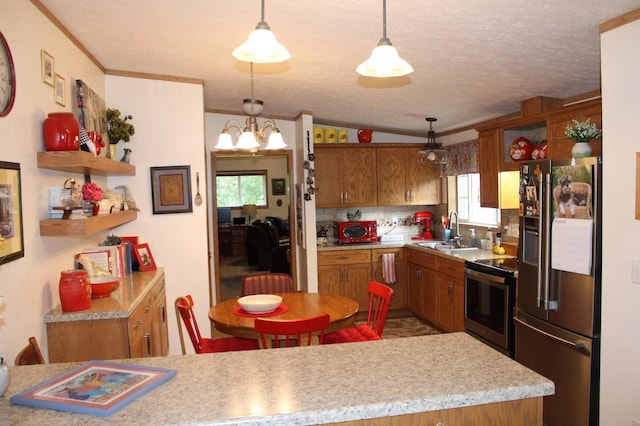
(251,74)
(262,12)
(384,18)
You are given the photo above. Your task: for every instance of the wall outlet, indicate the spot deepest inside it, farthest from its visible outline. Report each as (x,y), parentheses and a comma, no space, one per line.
(394,220)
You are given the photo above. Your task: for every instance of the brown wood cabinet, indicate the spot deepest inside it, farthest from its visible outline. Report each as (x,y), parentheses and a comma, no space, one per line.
(402,181)
(131,323)
(345,176)
(436,289)
(537,125)
(348,273)
(398,300)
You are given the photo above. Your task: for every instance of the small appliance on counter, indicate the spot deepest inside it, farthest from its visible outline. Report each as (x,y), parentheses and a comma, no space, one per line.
(365,231)
(425,219)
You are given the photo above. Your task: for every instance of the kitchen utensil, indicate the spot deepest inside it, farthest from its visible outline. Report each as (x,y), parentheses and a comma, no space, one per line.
(260,303)
(365,135)
(103,286)
(198,199)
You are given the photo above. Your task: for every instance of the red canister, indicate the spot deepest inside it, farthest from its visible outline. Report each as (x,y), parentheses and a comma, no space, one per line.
(75,290)
(61,132)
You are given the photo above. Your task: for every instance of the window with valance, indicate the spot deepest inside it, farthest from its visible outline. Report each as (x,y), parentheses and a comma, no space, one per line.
(462,158)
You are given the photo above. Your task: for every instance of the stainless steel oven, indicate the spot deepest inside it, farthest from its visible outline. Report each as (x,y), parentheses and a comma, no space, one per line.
(490,287)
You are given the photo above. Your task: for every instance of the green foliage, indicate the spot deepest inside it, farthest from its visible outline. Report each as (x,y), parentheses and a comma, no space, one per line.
(118,128)
(234,191)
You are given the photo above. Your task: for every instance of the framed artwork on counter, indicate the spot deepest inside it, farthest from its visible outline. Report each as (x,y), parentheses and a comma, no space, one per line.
(11,235)
(144,257)
(171,189)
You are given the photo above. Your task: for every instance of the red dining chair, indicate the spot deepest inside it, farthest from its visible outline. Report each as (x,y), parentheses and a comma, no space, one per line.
(267,283)
(184,310)
(379,301)
(291,332)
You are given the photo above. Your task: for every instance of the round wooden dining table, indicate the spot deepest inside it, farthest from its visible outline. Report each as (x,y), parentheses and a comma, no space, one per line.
(341,310)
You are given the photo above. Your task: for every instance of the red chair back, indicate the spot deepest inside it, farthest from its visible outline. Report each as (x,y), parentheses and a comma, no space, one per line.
(292,332)
(267,283)
(184,310)
(379,302)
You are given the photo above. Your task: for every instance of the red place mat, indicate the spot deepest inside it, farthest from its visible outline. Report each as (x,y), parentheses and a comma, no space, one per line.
(242,313)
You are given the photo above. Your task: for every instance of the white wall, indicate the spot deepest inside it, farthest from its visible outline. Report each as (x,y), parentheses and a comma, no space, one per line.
(620,368)
(169,122)
(30,284)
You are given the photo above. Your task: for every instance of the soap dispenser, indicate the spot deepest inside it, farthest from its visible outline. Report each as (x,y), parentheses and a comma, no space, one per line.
(489,238)
(474,240)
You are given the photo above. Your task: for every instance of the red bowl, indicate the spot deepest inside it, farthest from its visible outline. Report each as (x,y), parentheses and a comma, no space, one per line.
(103,286)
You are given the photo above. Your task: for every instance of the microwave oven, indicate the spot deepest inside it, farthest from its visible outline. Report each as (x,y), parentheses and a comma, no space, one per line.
(364,231)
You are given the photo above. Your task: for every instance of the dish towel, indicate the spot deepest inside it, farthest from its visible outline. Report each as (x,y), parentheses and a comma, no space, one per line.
(571,245)
(389,268)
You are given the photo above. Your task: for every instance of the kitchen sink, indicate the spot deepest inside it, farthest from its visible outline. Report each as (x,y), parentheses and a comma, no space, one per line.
(442,246)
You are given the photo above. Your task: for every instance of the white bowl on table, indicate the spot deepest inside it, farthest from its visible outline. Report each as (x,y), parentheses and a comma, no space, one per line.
(260,303)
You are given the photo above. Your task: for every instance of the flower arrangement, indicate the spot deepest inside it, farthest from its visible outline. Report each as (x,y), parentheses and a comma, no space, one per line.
(582,131)
(119,129)
(92,192)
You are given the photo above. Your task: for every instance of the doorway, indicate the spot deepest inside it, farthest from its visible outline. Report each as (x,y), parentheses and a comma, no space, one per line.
(238,249)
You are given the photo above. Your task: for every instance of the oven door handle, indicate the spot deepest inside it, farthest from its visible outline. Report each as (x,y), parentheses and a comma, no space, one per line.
(577,345)
(481,276)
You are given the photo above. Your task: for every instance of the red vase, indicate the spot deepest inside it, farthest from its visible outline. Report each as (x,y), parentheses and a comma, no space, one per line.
(95,208)
(61,132)
(75,290)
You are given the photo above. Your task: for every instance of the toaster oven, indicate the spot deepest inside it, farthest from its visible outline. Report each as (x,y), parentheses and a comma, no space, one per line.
(365,231)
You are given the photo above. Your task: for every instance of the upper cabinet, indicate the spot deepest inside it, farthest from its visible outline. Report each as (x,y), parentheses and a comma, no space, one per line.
(345,175)
(402,181)
(84,163)
(540,119)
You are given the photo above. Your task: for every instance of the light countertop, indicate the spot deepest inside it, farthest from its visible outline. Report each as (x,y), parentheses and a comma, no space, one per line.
(309,385)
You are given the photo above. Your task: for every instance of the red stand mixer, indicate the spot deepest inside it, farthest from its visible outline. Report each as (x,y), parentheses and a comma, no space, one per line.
(425,219)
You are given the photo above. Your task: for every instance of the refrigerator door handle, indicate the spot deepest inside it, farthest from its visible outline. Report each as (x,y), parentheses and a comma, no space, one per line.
(540,300)
(577,345)
(545,187)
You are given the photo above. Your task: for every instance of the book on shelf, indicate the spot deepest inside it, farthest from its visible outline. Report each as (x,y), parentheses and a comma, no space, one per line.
(115,259)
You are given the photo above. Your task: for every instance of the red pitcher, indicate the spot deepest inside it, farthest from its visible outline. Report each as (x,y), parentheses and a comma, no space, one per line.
(61,132)
(75,290)
(364,135)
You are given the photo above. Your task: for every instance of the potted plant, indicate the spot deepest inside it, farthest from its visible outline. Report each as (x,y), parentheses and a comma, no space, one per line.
(582,132)
(118,129)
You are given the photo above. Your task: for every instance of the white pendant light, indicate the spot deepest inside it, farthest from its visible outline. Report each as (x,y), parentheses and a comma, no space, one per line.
(261,47)
(384,60)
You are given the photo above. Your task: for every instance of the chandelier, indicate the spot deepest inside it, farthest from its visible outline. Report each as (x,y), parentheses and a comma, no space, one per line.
(432,152)
(250,136)
(261,47)
(384,60)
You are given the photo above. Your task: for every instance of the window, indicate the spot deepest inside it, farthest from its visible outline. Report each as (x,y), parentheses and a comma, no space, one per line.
(234,189)
(469,210)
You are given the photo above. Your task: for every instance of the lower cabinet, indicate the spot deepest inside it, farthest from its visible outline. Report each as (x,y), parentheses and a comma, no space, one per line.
(106,331)
(348,273)
(436,290)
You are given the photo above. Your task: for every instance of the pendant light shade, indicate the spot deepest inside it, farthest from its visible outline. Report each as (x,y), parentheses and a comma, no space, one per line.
(384,60)
(261,47)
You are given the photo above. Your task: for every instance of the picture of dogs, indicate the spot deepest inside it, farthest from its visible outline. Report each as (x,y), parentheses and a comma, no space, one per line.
(568,198)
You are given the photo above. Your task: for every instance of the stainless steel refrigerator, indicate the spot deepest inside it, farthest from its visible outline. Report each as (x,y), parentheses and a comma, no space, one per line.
(559,284)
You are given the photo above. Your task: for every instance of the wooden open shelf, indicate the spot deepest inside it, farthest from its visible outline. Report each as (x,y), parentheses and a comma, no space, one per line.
(84,163)
(85,227)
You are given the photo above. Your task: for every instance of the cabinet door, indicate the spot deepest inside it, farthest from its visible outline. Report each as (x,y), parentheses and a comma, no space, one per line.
(422,181)
(160,332)
(356,285)
(398,301)
(489,162)
(559,146)
(445,296)
(392,186)
(328,164)
(414,288)
(330,280)
(430,296)
(359,177)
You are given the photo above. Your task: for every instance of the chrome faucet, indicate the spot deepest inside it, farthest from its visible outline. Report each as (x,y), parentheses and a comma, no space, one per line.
(456,237)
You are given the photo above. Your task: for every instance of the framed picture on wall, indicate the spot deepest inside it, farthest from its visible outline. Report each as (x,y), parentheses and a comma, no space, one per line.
(60,90)
(11,236)
(278,187)
(171,189)
(46,65)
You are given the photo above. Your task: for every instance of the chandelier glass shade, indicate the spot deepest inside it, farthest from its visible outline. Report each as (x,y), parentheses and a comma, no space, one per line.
(384,60)
(432,152)
(261,46)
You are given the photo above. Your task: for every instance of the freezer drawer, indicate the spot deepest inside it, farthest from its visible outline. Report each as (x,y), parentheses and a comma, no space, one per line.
(571,361)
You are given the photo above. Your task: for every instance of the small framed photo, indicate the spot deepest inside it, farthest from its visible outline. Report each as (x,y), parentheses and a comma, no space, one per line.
(11,235)
(60,90)
(144,257)
(278,187)
(47,70)
(171,189)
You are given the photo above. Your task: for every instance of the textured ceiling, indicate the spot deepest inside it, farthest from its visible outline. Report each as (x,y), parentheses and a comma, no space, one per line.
(473,59)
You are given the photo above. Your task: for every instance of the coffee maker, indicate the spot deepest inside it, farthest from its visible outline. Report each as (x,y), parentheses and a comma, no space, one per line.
(425,219)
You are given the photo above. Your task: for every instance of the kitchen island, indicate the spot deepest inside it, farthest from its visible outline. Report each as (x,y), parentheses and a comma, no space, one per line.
(447,377)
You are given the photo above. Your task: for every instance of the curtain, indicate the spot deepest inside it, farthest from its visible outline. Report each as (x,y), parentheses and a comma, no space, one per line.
(462,158)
